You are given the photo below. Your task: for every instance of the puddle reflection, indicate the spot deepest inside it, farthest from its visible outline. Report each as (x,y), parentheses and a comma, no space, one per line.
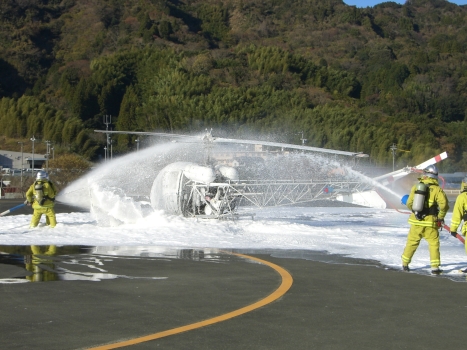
(22,264)
(70,263)
(40,263)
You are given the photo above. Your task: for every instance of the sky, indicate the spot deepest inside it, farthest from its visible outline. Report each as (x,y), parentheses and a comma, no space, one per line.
(371,3)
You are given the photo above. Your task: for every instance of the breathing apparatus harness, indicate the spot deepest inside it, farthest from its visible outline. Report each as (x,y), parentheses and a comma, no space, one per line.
(464,217)
(420,202)
(39,193)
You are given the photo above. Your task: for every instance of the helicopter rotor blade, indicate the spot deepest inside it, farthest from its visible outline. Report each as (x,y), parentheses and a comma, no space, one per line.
(288,145)
(162,134)
(208,138)
(396,175)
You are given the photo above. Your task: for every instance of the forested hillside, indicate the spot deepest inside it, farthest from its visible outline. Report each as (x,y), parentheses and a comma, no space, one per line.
(349,78)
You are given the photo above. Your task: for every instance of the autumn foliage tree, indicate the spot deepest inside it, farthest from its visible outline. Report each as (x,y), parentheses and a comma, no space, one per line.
(67,168)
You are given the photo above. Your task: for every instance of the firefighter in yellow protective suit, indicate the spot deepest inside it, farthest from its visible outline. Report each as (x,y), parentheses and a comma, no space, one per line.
(459,213)
(426,222)
(41,268)
(41,194)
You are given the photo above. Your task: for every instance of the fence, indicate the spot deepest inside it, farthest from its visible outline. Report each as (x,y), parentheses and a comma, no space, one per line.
(10,192)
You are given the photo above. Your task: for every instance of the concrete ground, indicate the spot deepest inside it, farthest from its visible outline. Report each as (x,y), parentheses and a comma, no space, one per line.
(341,304)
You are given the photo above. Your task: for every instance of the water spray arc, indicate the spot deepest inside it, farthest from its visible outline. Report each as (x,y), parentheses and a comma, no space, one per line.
(185,180)
(219,195)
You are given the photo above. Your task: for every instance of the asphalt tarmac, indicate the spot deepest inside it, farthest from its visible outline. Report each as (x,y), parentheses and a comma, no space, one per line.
(93,299)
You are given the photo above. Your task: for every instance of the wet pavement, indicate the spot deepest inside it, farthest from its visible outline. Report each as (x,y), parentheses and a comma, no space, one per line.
(80,297)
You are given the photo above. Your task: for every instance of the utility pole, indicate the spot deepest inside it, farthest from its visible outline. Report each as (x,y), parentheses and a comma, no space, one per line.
(107,122)
(47,155)
(303,139)
(33,139)
(207,144)
(22,166)
(393,148)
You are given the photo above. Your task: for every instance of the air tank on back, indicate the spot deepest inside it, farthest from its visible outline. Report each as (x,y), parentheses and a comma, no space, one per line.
(419,198)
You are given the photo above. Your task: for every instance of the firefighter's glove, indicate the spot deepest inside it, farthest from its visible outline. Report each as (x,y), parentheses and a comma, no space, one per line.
(26,202)
(454,234)
(440,223)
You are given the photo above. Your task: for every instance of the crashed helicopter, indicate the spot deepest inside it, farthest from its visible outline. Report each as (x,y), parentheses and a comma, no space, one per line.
(217,191)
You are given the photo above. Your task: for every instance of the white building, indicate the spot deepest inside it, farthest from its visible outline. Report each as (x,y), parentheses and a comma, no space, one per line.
(10,160)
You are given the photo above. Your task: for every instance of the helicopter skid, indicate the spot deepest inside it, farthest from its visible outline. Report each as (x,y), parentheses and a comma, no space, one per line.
(227,216)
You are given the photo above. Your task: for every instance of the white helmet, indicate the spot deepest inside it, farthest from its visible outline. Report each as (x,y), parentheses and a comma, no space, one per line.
(42,175)
(431,171)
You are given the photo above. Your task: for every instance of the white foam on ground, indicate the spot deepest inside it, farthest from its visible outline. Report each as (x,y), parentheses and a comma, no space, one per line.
(364,233)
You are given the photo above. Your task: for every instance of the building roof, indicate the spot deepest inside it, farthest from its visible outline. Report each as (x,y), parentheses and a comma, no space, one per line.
(10,159)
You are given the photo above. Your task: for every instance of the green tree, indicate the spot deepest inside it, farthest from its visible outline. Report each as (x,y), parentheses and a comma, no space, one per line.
(127,119)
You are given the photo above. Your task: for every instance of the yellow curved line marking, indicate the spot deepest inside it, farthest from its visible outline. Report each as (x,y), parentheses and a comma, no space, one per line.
(287,281)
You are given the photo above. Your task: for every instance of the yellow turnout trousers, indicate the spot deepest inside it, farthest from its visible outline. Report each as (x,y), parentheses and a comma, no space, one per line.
(48,212)
(416,233)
